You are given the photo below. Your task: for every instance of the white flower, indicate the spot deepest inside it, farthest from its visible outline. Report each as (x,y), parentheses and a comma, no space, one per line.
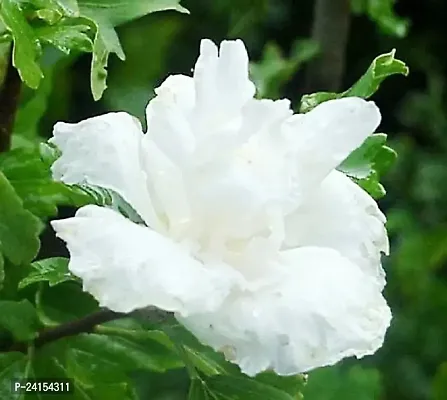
(261,248)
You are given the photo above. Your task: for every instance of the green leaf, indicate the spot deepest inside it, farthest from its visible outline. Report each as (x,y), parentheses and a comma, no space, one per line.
(12,366)
(30,175)
(382,12)
(128,354)
(440,383)
(68,8)
(199,391)
(334,383)
(274,70)
(19,229)
(26,46)
(106,15)
(66,37)
(367,163)
(242,388)
(2,270)
(19,318)
(293,385)
(382,66)
(61,360)
(52,270)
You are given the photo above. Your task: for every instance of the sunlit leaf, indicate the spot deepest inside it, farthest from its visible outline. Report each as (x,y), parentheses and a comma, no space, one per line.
(51,270)
(367,163)
(382,66)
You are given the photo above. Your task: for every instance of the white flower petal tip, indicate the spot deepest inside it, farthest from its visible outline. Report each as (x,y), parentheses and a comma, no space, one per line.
(251,236)
(126,266)
(325,310)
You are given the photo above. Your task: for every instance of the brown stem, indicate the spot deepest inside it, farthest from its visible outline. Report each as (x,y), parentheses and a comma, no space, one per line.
(83,325)
(330,30)
(9,101)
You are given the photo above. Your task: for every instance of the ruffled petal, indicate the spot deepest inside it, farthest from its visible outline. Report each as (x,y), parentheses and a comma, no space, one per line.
(325,136)
(105,151)
(342,216)
(322,310)
(126,266)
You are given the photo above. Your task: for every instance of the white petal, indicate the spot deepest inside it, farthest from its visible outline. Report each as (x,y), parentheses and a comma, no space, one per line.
(168,118)
(221,78)
(342,216)
(324,309)
(126,266)
(325,136)
(105,151)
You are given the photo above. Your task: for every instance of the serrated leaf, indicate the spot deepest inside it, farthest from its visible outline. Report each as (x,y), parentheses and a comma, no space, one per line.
(26,46)
(19,318)
(66,37)
(106,15)
(372,154)
(51,270)
(382,66)
(368,162)
(241,388)
(30,176)
(19,229)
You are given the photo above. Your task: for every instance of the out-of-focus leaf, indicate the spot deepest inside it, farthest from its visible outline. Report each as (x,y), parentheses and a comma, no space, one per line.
(2,270)
(51,270)
(367,163)
(19,229)
(26,46)
(274,70)
(244,389)
(382,66)
(19,318)
(334,383)
(382,12)
(440,383)
(66,37)
(106,14)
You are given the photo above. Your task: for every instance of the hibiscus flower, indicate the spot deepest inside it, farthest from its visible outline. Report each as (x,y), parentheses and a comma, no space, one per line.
(245,230)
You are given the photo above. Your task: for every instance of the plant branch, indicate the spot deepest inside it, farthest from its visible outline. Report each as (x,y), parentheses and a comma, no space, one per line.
(9,101)
(72,328)
(83,325)
(330,30)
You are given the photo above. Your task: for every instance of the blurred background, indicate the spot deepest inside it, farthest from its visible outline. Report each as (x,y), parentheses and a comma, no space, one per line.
(298,47)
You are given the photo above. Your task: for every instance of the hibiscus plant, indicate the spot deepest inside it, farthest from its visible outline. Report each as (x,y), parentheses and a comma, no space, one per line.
(231,237)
